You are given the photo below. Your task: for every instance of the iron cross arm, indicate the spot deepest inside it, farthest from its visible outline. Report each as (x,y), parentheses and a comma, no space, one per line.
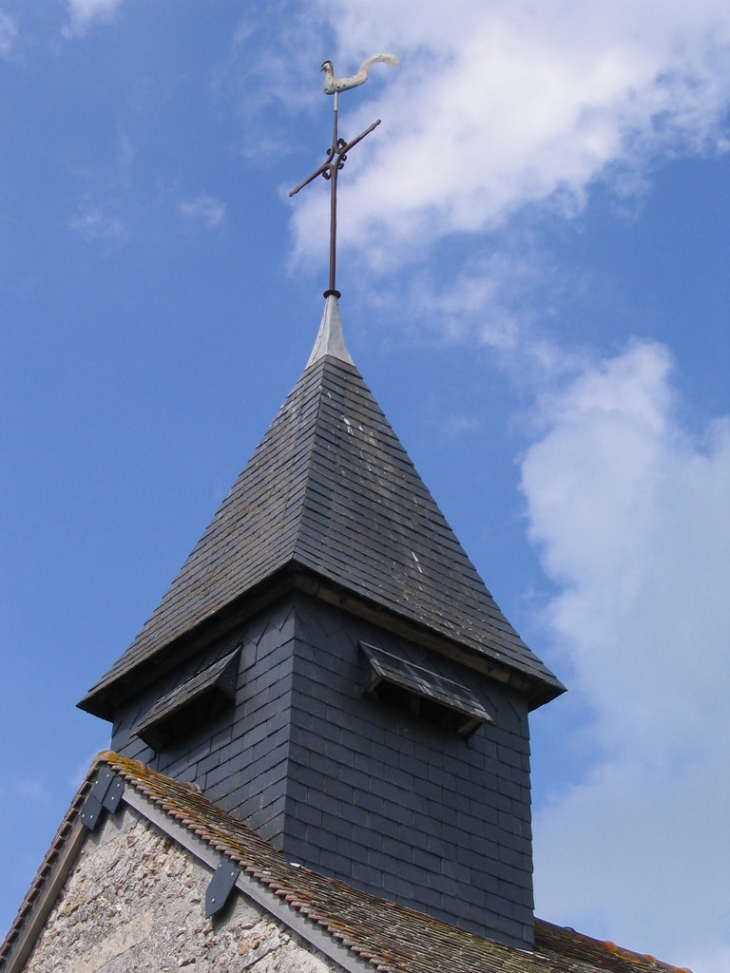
(339,152)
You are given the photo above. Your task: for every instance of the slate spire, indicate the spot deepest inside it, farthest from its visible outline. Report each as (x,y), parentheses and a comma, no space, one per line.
(331,503)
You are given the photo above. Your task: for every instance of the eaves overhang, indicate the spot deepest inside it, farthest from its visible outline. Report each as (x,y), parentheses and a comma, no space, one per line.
(331,490)
(105,699)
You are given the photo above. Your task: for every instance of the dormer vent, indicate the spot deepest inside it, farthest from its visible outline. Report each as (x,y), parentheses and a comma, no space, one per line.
(191,705)
(422,692)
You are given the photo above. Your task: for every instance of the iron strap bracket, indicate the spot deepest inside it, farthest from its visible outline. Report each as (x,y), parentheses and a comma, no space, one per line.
(105,794)
(220,887)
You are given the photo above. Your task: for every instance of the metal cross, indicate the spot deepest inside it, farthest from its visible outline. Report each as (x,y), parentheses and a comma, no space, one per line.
(336,157)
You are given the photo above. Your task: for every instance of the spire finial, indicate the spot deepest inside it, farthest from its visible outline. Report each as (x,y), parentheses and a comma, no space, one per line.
(330,340)
(337,153)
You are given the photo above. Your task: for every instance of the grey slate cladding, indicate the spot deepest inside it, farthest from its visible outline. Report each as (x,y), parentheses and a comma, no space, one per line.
(331,490)
(239,759)
(356,788)
(406,809)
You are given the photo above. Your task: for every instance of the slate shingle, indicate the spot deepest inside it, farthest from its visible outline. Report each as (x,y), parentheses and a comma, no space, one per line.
(331,489)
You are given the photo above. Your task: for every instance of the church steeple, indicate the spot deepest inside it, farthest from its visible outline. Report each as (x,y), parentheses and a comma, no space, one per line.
(329,667)
(330,494)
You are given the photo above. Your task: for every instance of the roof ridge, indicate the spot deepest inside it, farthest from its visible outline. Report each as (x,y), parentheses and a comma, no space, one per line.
(390,937)
(321,363)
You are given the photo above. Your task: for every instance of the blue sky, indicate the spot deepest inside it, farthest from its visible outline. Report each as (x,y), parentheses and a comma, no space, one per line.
(535,268)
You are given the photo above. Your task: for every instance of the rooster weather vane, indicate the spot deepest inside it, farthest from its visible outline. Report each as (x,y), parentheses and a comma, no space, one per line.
(337,152)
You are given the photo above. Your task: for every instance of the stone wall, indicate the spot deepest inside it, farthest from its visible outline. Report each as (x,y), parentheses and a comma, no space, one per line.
(134,900)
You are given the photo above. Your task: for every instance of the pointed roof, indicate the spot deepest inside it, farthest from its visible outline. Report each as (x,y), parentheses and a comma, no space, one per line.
(331,492)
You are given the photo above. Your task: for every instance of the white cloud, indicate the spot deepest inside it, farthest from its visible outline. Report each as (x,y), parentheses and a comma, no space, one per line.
(498,106)
(82,13)
(8,32)
(93,223)
(206,208)
(486,303)
(631,515)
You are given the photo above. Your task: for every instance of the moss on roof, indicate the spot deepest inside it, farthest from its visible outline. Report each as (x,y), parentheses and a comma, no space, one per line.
(390,937)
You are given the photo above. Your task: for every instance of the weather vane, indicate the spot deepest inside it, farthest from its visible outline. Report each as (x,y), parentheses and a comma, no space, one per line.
(337,152)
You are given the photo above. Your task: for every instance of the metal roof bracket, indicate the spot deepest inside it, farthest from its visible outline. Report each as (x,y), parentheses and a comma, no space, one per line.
(220,887)
(105,794)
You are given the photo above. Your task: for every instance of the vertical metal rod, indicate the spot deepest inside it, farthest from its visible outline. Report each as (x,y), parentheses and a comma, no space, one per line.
(336,156)
(333,200)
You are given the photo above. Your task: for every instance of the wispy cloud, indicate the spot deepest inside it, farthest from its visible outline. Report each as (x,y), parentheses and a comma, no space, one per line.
(505,105)
(82,13)
(8,32)
(207,209)
(107,209)
(509,294)
(630,514)
(29,790)
(489,301)
(94,223)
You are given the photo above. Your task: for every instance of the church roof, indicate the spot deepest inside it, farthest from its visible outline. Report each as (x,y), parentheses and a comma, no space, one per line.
(331,491)
(338,920)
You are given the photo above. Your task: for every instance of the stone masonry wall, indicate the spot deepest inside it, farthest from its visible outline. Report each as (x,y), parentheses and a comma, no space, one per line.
(135,901)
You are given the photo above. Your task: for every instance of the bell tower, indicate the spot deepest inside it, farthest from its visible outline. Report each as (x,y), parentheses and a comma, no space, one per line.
(329,668)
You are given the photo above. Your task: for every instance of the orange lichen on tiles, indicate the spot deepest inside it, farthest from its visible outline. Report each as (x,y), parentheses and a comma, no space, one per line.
(389,937)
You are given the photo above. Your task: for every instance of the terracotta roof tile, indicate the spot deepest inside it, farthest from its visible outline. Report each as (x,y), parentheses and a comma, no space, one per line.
(390,937)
